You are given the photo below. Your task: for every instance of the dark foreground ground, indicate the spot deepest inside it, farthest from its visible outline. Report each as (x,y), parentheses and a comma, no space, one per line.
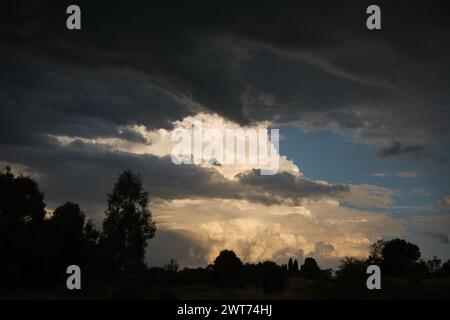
(295,288)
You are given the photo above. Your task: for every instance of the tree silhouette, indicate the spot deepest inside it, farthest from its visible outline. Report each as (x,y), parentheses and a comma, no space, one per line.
(71,240)
(20,199)
(399,257)
(128,223)
(228,269)
(295,266)
(351,274)
(446,268)
(310,269)
(172,266)
(22,245)
(68,220)
(376,252)
(434,265)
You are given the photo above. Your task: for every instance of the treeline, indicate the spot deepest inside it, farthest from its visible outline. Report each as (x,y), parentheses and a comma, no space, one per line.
(36,247)
(404,274)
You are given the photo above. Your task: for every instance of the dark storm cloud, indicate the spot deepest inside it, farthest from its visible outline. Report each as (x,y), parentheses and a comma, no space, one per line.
(157,41)
(86,173)
(439,237)
(317,60)
(415,151)
(290,186)
(40,97)
(309,63)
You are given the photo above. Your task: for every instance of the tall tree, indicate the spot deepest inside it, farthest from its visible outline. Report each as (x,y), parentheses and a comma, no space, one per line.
(128,223)
(290,265)
(295,266)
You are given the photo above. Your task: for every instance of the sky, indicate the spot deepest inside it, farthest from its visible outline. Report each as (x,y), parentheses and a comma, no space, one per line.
(362,114)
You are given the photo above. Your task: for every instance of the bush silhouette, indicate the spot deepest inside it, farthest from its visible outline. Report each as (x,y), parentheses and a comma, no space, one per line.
(351,275)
